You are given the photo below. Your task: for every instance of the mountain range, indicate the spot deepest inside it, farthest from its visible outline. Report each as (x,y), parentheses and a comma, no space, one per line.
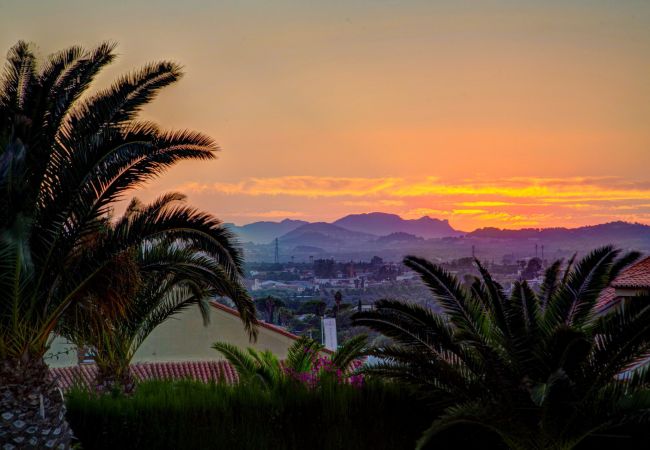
(264,232)
(390,236)
(367,227)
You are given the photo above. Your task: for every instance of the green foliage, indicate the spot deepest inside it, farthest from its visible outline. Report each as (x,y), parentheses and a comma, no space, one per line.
(543,370)
(262,368)
(171,277)
(65,158)
(253,367)
(302,355)
(192,415)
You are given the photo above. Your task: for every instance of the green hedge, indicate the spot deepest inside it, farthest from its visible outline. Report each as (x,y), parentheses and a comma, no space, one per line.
(191,415)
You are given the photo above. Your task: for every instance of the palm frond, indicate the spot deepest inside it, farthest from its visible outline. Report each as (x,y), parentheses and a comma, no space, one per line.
(623,262)
(451,296)
(574,302)
(622,338)
(241,361)
(410,325)
(352,349)
(76,79)
(550,284)
(493,298)
(302,354)
(122,101)
(17,79)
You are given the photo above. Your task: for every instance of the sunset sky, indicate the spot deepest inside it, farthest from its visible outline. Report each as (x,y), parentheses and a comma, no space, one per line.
(493,113)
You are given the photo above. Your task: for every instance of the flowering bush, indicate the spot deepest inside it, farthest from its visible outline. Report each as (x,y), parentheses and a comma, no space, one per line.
(306,363)
(323,368)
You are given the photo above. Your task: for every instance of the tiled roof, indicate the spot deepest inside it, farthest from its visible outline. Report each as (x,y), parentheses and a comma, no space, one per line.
(606,300)
(637,276)
(205,371)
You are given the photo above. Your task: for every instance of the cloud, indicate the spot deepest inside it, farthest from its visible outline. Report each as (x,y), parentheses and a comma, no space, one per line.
(468,212)
(275,214)
(393,190)
(374,203)
(485,203)
(545,190)
(508,202)
(300,186)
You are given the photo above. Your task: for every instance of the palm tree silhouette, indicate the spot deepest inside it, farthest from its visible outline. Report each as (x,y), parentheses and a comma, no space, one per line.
(65,158)
(542,369)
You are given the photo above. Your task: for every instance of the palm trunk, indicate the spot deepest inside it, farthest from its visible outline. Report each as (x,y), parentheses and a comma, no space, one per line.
(32,410)
(114,378)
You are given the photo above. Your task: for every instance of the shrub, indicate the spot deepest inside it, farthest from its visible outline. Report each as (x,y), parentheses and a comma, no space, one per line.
(193,415)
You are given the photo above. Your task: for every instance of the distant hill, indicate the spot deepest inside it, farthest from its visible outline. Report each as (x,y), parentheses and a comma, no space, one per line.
(323,235)
(374,233)
(382,224)
(264,232)
(398,238)
(490,244)
(307,249)
(612,231)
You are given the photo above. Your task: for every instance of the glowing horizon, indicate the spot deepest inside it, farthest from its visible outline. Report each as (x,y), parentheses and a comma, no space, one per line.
(506,114)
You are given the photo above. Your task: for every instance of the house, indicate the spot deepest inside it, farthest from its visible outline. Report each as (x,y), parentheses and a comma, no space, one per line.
(185,338)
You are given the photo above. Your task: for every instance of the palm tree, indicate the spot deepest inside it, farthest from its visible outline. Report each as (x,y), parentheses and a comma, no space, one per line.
(164,279)
(542,369)
(265,369)
(64,160)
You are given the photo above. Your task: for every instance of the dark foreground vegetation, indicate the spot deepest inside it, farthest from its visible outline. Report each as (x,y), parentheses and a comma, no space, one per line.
(193,415)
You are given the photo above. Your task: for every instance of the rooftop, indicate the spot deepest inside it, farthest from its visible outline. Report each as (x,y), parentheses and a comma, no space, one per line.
(637,276)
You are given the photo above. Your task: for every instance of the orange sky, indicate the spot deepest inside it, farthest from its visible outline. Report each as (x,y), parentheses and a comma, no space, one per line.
(492,113)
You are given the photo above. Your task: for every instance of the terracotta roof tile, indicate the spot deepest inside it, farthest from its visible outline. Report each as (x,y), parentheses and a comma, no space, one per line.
(205,371)
(67,377)
(636,276)
(606,300)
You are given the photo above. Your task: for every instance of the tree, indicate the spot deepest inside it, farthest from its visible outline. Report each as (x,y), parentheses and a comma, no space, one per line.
(269,305)
(325,268)
(532,270)
(171,277)
(64,160)
(542,370)
(338,298)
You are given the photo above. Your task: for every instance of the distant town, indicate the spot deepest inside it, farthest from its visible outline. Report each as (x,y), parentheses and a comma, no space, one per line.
(296,295)
(300,272)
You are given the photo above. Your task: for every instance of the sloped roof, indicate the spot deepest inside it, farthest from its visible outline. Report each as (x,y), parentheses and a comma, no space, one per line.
(205,371)
(607,299)
(637,276)
(261,323)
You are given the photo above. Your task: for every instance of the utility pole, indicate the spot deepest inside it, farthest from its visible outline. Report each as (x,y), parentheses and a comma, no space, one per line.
(277,252)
